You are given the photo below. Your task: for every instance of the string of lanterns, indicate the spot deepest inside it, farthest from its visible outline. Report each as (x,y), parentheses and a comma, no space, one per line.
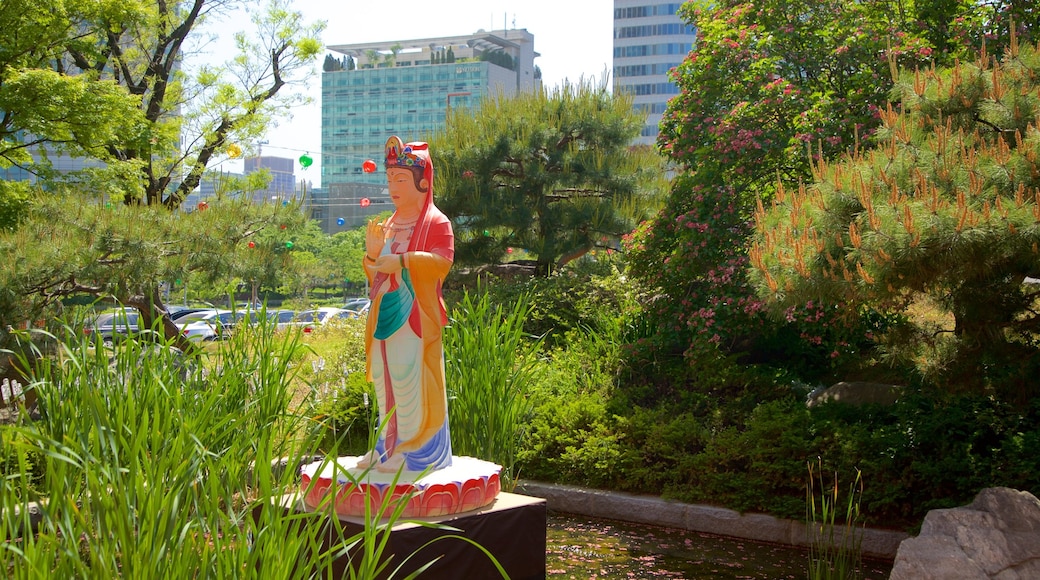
(369,166)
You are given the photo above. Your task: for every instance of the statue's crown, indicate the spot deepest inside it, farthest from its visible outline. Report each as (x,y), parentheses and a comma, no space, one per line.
(400,155)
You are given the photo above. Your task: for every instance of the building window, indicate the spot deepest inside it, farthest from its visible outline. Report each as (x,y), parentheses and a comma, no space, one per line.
(669,9)
(669,29)
(651,49)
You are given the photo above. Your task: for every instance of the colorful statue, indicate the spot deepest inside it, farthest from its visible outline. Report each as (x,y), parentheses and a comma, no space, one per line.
(407,258)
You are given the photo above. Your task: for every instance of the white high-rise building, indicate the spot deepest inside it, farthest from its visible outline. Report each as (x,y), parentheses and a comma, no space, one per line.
(649,40)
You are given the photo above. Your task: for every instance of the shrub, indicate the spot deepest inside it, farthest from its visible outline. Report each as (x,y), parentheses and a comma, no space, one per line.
(341,407)
(573,440)
(585,294)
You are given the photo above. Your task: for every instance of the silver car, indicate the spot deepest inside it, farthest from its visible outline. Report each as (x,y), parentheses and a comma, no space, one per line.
(213,325)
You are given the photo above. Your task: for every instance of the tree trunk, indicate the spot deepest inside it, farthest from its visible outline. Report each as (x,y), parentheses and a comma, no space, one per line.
(152,310)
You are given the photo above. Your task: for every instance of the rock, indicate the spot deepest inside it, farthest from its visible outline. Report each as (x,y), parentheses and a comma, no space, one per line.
(996,537)
(856,393)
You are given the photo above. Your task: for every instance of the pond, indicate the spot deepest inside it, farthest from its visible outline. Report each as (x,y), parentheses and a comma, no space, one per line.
(581,548)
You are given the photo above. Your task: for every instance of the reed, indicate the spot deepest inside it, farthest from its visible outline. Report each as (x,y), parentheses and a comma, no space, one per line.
(490,366)
(146,462)
(834,546)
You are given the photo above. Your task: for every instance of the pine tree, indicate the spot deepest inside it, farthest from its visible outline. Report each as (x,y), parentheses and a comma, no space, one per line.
(551,173)
(946,206)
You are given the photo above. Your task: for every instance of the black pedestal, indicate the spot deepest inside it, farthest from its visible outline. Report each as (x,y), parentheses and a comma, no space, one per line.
(512,529)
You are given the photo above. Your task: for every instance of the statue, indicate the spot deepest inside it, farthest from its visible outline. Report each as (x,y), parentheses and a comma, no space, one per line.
(406,260)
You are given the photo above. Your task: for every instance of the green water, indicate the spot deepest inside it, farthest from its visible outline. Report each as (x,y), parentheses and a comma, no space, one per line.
(582,548)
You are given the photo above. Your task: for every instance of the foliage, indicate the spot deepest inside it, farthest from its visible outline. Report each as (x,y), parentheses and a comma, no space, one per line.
(770,88)
(587,293)
(345,253)
(550,173)
(84,114)
(67,247)
(754,92)
(741,439)
(946,206)
(182,478)
(183,461)
(574,441)
(340,414)
(573,436)
(128,99)
(498,57)
(488,370)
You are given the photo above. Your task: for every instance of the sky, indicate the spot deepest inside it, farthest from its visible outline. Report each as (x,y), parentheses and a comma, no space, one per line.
(574,38)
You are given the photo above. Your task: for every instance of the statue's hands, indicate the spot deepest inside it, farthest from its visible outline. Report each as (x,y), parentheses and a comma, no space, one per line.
(375,237)
(391,264)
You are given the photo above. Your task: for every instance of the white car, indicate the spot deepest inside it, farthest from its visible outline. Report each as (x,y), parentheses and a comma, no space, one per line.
(309,319)
(215,325)
(359,305)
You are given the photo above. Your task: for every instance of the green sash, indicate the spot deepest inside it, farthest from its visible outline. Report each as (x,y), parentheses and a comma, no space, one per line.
(395,307)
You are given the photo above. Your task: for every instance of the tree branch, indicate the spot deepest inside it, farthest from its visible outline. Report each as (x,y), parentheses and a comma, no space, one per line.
(576,192)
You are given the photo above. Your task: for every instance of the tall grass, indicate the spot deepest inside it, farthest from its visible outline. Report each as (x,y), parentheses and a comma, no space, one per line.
(148,463)
(490,363)
(834,546)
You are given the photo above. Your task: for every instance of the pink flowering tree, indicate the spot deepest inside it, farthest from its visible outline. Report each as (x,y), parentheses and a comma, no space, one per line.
(769,87)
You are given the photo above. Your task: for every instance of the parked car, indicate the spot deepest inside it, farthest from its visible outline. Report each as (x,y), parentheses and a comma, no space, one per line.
(113,325)
(183,318)
(215,325)
(345,314)
(281,319)
(309,319)
(360,304)
(178,313)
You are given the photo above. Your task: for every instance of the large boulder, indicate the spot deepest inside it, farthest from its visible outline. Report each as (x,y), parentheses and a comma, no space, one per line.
(855,393)
(996,537)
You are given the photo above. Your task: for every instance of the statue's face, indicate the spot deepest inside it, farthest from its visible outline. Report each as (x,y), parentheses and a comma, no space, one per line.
(403,191)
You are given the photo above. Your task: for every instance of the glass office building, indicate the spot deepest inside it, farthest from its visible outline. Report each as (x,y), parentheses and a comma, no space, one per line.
(649,40)
(405,88)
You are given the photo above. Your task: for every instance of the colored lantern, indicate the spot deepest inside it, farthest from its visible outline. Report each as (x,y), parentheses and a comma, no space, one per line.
(285,203)
(509,250)
(340,221)
(289,245)
(369,166)
(202,206)
(251,244)
(364,202)
(283,226)
(234,151)
(306,160)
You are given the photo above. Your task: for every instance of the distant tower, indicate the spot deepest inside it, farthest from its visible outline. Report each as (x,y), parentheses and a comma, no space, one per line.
(649,40)
(283,179)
